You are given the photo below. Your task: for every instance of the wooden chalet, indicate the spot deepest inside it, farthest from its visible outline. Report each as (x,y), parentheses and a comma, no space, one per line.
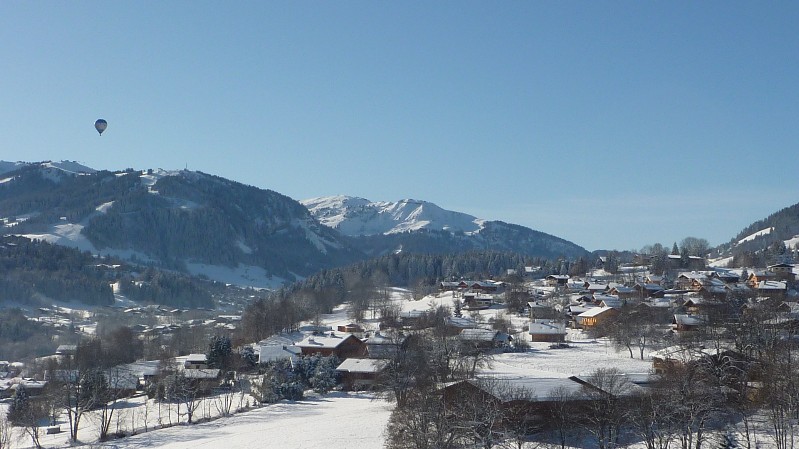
(595,288)
(487,286)
(609,301)
(555,280)
(647,290)
(595,316)
(653,279)
(485,338)
(343,346)
(783,271)
(758,276)
(772,289)
(195,361)
(475,301)
(451,286)
(739,290)
(379,346)
(699,306)
(33,387)
(360,374)
(543,330)
(349,328)
(687,323)
(203,380)
(692,281)
(623,292)
(529,397)
(725,276)
(713,289)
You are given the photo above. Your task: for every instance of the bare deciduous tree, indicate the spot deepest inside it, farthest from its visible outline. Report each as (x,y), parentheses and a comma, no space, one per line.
(603,414)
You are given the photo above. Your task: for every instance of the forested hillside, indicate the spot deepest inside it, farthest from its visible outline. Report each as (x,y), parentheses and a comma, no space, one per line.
(36,273)
(37,270)
(762,242)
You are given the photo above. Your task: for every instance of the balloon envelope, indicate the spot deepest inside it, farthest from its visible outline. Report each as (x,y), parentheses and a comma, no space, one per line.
(100,125)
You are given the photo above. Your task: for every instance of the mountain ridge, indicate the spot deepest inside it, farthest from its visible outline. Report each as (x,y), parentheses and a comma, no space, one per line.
(207,225)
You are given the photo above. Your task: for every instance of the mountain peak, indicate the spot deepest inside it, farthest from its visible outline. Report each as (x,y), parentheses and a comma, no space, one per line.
(355,216)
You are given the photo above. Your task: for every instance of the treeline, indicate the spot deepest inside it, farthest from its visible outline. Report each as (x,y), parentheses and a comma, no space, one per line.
(35,268)
(409,269)
(170,289)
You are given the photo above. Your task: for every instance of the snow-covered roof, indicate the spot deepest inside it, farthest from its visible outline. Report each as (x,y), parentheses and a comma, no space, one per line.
(461,322)
(478,334)
(681,353)
(611,301)
(689,320)
(593,312)
(122,379)
(362,365)
(577,309)
(196,358)
(693,275)
(273,353)
(772,285)
(329,340)
(277,340)
(546,327)
(533,389)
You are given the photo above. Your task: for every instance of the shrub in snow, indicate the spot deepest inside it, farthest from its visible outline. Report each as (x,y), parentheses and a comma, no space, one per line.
(293,391)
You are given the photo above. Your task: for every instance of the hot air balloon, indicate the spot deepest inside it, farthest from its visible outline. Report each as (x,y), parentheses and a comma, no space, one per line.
(100,125)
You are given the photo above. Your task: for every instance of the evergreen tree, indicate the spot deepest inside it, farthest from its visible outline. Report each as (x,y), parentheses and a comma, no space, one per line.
(248,357)
(20,406)
(324,377)
(25,412)
(219,352)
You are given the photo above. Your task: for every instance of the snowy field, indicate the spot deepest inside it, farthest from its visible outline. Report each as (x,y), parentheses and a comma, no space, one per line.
(334,420)
(337,420)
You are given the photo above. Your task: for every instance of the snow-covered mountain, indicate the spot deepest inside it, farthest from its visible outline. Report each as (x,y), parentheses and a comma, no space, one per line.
(419,226)
(180,220)
(354,216)
(226,231)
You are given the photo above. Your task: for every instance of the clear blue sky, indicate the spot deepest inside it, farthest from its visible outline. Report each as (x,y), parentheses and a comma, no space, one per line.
(611,124)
